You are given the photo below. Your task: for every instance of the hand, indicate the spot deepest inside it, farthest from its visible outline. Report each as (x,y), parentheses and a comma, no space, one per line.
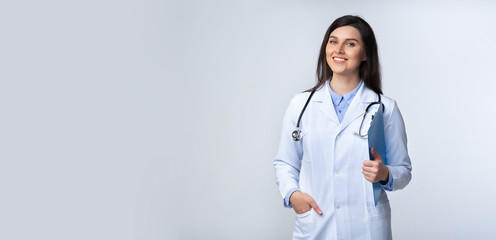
(303,202)
(375,170)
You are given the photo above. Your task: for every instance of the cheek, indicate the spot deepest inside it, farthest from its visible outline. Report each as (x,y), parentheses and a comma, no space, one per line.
(328,51)
(358,55)
(362,55)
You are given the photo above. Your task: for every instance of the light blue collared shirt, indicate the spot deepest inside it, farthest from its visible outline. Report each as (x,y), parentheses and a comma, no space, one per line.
(341,103)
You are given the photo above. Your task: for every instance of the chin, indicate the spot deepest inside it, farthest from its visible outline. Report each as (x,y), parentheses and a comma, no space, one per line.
(338,70)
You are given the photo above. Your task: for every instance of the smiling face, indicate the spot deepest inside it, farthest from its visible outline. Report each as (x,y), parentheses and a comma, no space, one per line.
(345,51)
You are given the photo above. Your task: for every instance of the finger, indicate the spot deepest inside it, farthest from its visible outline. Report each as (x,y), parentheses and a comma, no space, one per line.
(303,210)
(370,163)
(375,154)
(316,208)
(368,175)
(370,178)
(314,205)
(372,175)
(370,170)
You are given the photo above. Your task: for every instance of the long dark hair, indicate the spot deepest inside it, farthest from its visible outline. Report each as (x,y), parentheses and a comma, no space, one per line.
(370,70)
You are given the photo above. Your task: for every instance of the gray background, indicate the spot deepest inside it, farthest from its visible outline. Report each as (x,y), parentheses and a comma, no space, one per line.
(160,119)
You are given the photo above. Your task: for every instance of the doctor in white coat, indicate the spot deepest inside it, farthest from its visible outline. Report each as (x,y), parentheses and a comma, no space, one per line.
(327,176)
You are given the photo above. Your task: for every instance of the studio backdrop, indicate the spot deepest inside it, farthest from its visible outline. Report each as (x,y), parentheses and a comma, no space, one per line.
(156,120)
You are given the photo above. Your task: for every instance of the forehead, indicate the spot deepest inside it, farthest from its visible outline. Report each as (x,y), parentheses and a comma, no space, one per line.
(346,32)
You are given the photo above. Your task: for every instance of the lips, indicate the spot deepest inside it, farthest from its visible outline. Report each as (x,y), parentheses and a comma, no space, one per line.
(338,59)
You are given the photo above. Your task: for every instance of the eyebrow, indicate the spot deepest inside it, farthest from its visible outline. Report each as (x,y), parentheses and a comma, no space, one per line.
(345,39)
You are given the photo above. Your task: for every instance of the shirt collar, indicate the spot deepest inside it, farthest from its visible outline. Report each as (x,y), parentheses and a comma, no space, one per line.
(336,98)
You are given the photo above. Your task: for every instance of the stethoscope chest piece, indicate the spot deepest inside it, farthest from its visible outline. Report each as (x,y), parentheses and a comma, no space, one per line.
(296,135)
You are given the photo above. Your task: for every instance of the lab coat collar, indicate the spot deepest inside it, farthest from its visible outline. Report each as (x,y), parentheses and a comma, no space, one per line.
(357,107)
(323,96)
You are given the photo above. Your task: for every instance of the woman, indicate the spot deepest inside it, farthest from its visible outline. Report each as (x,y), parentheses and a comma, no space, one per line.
(325,174)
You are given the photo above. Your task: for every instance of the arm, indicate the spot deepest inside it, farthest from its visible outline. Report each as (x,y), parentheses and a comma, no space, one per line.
(287,162)
(398,161)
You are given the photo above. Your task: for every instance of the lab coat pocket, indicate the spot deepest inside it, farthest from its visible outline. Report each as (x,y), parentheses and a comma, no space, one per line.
(380,221)
(382,210)
(303,226)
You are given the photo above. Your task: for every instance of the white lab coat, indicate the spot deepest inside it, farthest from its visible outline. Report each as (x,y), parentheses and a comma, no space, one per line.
(327,164)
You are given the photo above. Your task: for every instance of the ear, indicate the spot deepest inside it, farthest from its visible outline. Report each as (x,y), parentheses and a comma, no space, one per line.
(364,57)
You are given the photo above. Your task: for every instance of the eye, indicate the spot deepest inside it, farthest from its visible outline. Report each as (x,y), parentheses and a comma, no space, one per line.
(350,44)
(333,42)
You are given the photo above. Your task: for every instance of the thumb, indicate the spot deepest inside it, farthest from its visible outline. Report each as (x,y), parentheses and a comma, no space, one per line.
(375,154)
(316,207)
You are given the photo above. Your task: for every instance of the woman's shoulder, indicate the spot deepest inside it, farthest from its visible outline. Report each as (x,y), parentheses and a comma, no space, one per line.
(391,109)
(387,101)
(300,97)
(390,105)
(298,101)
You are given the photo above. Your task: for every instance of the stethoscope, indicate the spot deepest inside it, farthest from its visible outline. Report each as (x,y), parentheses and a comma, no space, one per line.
(297,132)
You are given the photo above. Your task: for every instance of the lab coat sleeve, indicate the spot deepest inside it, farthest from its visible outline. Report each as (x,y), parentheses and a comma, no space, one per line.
(398,161)
(287,162)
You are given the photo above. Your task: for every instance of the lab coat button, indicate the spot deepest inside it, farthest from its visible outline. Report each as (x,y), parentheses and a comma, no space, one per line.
(338,206)
(338,172)
(339,136)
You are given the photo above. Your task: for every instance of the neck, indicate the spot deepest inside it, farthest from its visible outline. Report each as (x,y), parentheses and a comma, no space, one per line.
(344,84)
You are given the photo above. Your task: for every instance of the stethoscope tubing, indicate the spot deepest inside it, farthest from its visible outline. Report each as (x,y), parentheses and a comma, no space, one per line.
(297,132)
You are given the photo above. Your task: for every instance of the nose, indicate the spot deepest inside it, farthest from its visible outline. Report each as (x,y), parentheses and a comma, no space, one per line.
(339,48)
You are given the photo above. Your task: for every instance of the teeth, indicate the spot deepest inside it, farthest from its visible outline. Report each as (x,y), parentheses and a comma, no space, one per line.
(339,59)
